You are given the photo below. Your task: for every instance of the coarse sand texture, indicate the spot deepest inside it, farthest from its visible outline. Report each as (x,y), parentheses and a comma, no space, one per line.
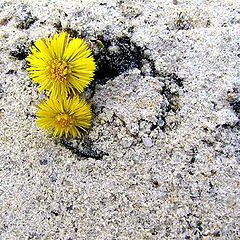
(161,159)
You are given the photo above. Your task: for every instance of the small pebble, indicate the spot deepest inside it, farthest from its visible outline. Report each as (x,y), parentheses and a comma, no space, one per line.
(147,142)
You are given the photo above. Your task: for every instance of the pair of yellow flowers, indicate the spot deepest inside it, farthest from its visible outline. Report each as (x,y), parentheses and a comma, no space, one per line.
(63,67)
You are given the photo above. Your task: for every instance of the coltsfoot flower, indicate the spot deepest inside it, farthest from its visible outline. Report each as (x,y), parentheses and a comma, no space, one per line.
(65,117)
(61,65)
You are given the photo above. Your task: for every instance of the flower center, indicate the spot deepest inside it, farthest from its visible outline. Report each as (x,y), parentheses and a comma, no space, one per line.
(59,70)
(64,120)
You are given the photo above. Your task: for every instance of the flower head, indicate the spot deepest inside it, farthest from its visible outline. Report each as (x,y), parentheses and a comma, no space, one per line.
(64,117)
(61,65)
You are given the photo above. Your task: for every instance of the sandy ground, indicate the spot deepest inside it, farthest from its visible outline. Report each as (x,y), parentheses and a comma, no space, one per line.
(161,160)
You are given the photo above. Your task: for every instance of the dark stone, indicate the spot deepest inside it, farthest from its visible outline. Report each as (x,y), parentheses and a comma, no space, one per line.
(153,127)
(55,213)
(26,20)
(11,71)
(20,52)
(192,160)
(199,225)
(30,115)
(155,183)
(43,162)
(190,172)
(154,232)
(69,208)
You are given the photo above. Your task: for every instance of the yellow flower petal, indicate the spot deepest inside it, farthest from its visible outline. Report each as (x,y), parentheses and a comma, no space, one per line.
(61,65)
(64,117)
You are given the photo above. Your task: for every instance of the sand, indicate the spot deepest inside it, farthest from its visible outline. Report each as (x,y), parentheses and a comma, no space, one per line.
(161,160)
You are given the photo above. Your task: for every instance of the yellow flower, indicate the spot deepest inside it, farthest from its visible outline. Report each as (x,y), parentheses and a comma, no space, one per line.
(61,65)
(64,117)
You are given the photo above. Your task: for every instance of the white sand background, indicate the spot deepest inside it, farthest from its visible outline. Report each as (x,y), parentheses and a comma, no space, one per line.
(170,129)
